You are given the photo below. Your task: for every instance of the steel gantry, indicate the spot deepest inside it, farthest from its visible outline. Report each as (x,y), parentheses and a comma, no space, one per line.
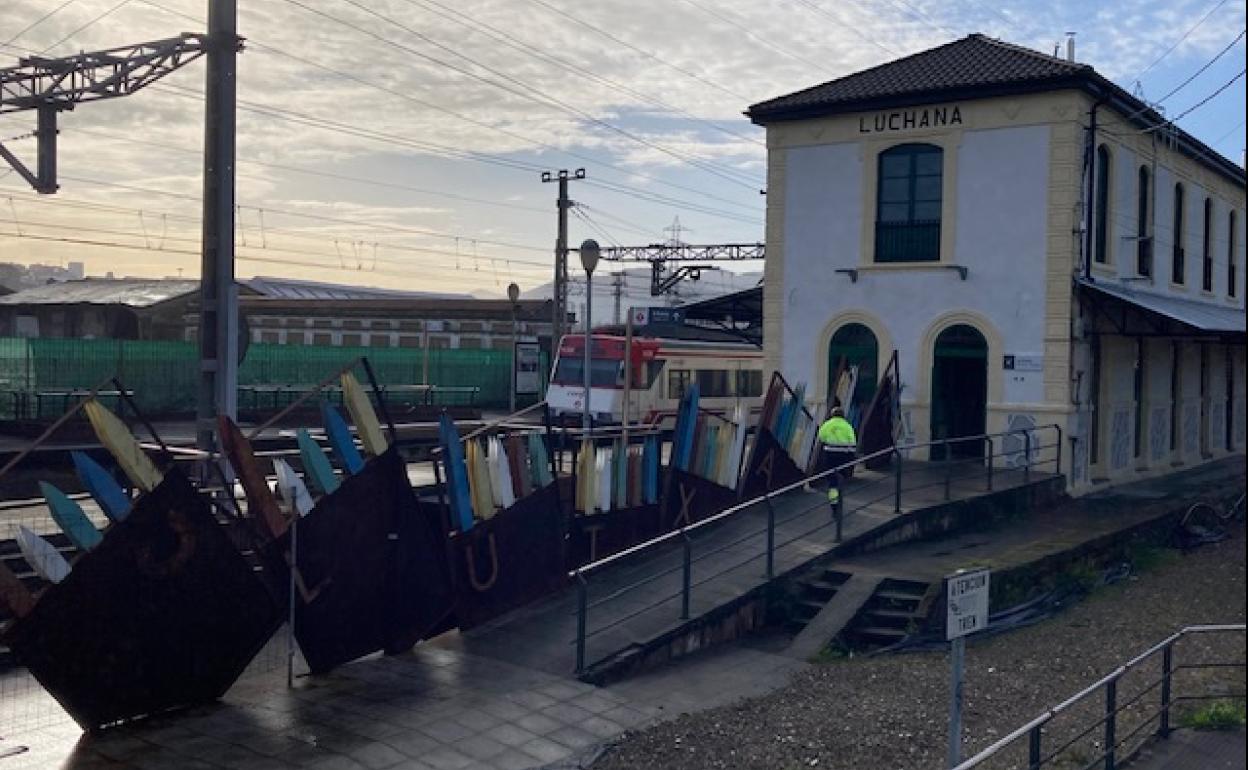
(662,279)
(50,86)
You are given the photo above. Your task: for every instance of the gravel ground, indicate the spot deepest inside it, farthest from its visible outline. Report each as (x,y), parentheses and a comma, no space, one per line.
(890,711)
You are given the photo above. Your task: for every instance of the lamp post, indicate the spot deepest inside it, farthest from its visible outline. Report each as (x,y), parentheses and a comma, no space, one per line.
(513,294)
(589,260)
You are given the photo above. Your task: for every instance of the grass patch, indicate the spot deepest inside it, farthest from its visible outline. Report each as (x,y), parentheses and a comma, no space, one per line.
(836,652)
(1145,558)
(1219,715)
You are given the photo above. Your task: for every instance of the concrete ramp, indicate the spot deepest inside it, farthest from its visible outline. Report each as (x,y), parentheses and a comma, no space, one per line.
(834,616)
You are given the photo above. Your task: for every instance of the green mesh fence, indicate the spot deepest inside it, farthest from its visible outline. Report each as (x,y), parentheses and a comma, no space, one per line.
(37,374)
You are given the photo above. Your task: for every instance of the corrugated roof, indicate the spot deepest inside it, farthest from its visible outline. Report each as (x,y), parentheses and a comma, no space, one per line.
(286,288)
(102,291)
(1205,316)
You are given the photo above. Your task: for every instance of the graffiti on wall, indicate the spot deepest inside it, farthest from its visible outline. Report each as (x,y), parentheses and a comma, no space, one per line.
(1191,429)
(1120,439)
(1159,434)
(1014,444)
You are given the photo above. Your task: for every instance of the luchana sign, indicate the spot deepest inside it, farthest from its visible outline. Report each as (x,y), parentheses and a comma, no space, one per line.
(902,120)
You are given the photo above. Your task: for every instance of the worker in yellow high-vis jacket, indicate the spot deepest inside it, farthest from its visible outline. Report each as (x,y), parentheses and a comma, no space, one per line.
(840,444)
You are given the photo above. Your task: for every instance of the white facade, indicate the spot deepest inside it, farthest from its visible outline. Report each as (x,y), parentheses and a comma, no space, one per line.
(1015,201)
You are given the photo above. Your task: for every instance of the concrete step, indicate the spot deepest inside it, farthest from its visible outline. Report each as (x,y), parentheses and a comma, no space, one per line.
(890,614)
(819,632)
(881,632)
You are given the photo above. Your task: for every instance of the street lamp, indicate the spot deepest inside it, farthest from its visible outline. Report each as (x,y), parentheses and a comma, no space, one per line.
(513,294)
(589,260)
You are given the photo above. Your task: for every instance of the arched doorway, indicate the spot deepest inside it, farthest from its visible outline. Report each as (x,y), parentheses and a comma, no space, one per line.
(854,345)
(959,390)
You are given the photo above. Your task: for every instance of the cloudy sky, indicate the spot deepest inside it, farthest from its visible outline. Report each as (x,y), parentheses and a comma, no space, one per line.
(400,143)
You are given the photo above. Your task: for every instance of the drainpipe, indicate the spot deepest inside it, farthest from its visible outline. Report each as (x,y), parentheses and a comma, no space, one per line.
(1089,165)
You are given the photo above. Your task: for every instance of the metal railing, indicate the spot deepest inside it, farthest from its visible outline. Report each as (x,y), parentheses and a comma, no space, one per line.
(1112,744)
(1031,452)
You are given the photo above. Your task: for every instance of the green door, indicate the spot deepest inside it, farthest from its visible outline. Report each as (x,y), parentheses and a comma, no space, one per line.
(959,391)
(857,346)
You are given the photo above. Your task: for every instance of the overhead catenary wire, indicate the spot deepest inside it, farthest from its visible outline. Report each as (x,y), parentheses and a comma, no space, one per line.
(88,25)
(38,21)
(520,88)
(753,35)
(504,38)
(516,135)
(636,49)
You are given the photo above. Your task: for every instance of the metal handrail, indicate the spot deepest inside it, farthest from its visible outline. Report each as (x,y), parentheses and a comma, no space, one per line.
(1108,680)
(595,566)
(579,575)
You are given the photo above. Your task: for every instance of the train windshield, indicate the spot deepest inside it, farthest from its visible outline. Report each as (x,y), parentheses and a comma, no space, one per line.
(603,372)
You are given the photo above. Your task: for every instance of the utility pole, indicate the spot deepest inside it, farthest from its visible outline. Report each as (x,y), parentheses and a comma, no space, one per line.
(617,289)
(218,294)
(560,295)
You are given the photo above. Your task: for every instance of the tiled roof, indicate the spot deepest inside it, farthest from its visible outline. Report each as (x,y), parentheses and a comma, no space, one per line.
(974,67)
(974,62)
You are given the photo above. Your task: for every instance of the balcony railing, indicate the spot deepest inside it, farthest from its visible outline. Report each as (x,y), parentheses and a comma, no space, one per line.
(907,241)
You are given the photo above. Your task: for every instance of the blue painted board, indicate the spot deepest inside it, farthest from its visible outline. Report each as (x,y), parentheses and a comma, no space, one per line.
(340,439)
(102,487)
(69,516)
(456,474)
(315,466)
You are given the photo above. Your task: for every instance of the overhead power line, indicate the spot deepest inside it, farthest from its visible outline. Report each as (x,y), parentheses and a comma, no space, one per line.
(1208,98)
(521,88)
(1179,42)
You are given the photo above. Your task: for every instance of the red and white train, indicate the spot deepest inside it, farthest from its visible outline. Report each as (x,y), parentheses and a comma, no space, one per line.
(662,369)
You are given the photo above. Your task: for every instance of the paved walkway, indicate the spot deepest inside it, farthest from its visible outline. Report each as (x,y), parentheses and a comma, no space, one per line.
(637,600)
(1194,750)
(437,707)
(500,697)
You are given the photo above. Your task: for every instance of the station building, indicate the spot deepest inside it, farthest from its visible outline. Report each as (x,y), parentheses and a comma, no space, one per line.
(1036,244)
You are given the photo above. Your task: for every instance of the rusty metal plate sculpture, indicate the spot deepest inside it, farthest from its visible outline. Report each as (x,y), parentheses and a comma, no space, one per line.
(691,498)
(373,566)
(164,613)
(599,535)
(770,467)
(510,559)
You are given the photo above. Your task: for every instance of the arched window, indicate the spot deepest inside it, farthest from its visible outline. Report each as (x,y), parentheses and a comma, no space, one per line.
(1143,243)
(1101,251)
(853,345)
(907,222)
(1206,248)
(1177,271)
(1231,255)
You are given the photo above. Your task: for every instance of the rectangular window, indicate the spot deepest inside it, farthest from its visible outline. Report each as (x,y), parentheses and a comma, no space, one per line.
(908,205)
(712,383)
(1143,241)
(678,382)
(1177,268)
(1102,205)
(1206,273)
(1231,255)
(749,383)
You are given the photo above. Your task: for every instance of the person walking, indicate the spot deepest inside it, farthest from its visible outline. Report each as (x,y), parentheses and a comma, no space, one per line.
(839,446)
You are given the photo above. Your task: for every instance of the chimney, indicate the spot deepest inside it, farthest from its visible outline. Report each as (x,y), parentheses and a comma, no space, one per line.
(1070,46)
